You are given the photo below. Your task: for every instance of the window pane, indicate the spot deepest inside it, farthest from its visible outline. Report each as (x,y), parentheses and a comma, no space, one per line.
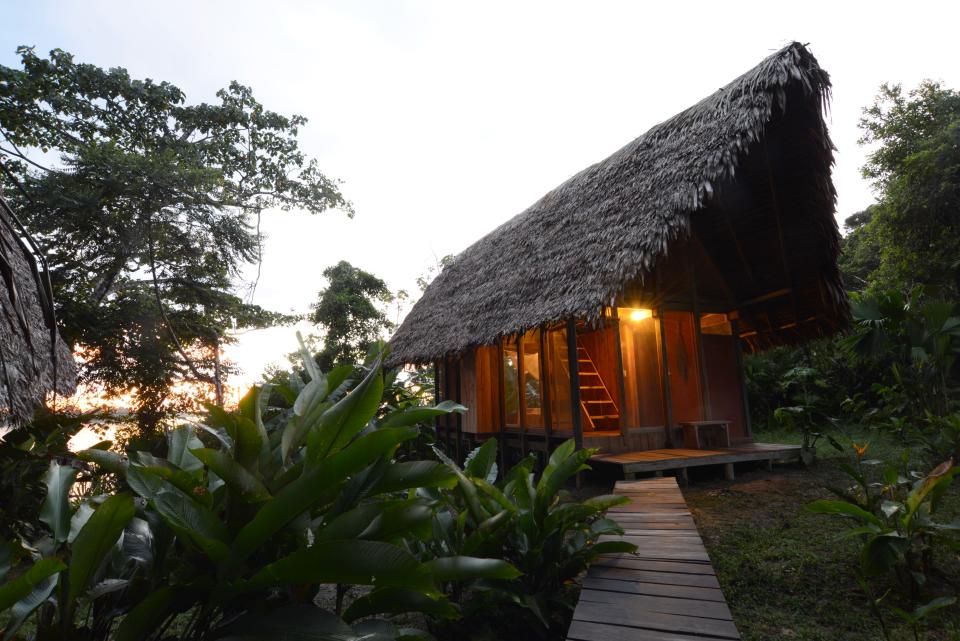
(558,379)
(640,336)
(532,379)
(511,398)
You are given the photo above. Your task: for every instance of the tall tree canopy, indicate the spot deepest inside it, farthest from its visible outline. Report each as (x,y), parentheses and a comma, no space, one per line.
(149,209)
(351,312)
(914,230)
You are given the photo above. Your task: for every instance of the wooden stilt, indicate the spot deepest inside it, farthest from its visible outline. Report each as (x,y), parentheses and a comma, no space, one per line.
(728,471)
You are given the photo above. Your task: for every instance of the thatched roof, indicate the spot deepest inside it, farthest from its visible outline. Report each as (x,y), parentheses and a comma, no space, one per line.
(605,230)
(28,365)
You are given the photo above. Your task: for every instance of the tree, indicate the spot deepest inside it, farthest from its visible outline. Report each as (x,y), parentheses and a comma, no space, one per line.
(351,312)
(149,216)
(915,168)
(860,250)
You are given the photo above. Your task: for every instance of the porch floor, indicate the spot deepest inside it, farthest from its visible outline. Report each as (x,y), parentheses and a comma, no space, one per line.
(657,461)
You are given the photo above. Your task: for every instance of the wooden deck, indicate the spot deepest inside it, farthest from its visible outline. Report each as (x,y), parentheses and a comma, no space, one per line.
(667,591)
(680,459)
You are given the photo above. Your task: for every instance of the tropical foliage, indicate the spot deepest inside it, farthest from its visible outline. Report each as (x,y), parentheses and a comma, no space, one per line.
(525,520)
(894,520)
(240,522)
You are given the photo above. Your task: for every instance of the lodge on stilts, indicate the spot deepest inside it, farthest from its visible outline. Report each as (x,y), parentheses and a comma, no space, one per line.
(616,310)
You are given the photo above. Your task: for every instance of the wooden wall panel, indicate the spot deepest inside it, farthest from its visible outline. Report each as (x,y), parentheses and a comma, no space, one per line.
(723,376)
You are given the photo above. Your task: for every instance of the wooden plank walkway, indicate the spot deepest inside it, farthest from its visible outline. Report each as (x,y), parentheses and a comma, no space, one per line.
(675,458)
(668,590)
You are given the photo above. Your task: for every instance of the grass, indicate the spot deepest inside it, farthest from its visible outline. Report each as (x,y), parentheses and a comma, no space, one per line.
(785,572)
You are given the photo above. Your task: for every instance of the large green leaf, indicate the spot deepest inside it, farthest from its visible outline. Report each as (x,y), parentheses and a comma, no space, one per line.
(398,600)
(347,417)
(110,461)
(613,547)
(193,521)
(247,441)
(149,613)
(290,622)
(408,474)
(55,511)
(179,443)
(381,521)
(19,588)
(461,568)
(79,519)
(881,553)
(410,519)
(416,415)
(26,606)
(346,561)
(843,508)
(317,483)
(564,463)
(481,463)
(95,539)
(237,478)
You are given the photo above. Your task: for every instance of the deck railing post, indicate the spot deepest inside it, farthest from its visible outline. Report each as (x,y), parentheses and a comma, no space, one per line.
(574,368)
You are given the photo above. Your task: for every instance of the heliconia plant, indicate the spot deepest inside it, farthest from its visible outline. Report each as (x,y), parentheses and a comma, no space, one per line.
(527,520)
(894,522)
(235,528)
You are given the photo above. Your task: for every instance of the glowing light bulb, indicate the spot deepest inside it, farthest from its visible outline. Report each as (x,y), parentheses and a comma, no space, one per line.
(638,315)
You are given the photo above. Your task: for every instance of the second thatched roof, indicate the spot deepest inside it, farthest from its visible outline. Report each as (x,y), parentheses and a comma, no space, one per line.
(34,360)
(578,248)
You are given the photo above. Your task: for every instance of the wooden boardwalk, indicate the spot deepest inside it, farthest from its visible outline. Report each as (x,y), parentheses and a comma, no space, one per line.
(656,461)
(667,591)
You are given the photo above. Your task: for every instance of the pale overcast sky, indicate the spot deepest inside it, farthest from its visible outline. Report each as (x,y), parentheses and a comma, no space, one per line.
(444,119)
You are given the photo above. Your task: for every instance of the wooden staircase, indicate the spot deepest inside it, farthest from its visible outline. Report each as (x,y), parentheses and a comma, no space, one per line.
(598,406)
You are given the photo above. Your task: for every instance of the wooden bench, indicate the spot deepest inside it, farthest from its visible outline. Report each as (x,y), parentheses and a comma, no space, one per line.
(698,435)
(667,591)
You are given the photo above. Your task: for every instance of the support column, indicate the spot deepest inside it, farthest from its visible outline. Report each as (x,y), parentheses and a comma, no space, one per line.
(521,398)
(574,368)
(545,379)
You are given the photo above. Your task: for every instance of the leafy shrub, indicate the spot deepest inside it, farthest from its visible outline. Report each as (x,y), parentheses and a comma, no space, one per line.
(894,523)
(235,528)
(529,523)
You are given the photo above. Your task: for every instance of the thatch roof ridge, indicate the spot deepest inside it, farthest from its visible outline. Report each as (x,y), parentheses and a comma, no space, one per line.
(628,208)
(34,360)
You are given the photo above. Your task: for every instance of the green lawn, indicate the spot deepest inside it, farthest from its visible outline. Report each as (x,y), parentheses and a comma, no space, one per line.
(785,573)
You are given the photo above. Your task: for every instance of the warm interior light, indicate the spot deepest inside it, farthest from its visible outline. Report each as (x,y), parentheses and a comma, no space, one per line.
(637,315)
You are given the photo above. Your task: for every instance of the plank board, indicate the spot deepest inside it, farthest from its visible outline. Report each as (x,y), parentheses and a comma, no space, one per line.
(668,590)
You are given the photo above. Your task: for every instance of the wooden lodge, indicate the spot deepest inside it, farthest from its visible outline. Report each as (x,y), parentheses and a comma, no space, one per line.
(616,310)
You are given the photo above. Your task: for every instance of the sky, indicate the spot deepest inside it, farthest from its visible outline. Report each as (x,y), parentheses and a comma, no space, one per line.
(444,119)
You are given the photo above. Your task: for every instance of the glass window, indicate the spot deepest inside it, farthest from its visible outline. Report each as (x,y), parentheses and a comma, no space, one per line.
(640,351)
(715,325)
(532,379)
(511,397)
(558,380)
